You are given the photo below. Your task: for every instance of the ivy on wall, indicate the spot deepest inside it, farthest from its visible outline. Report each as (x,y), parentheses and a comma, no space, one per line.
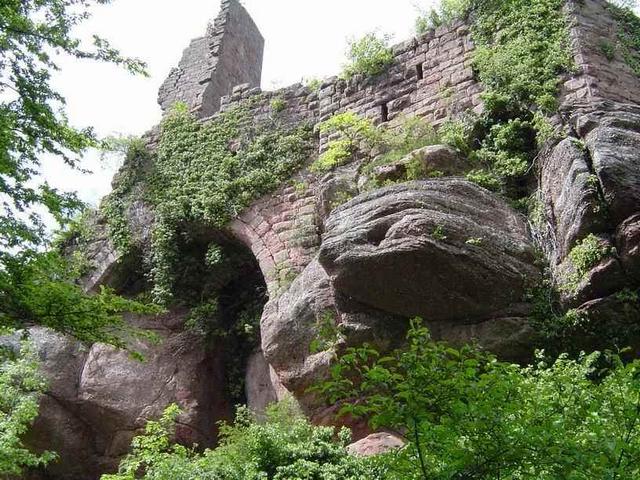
(202,173)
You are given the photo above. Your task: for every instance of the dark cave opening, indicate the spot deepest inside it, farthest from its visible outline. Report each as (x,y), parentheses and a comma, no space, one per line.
(220,281)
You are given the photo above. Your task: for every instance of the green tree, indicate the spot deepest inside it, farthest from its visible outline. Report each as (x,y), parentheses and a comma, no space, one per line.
(20,387)
(32,120)
(467,416)
(36,285)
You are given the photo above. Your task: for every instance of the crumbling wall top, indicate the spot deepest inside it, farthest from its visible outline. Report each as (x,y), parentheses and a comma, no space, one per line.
(229,54)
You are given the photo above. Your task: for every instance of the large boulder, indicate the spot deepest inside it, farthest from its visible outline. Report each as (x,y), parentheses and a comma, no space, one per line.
(98,398)
(446,250)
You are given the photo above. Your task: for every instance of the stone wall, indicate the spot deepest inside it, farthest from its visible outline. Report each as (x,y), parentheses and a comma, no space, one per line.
(229,54)
(597,77)
(431,76)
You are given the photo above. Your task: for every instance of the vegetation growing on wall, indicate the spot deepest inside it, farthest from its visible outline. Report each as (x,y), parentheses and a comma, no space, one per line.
(368,56)
(354,136)
(628,33)
(114,206)
(521,53)
(203,174)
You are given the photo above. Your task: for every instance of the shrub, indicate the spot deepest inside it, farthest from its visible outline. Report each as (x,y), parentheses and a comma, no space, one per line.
(278,104)
(444,14)
(370,56)
(588,253)
(353,135)
(466,415)
(285,446)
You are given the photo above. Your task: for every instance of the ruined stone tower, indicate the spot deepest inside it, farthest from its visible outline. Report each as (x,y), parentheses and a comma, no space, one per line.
(229,54)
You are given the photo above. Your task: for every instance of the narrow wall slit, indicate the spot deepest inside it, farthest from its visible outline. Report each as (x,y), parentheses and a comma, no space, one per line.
(419,71)
(384,112)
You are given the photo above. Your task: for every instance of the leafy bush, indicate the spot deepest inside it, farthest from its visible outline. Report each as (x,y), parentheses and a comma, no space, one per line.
(283,447)
(628,32)
(353,134)
(21,385)
(370,56)
(588,253)
(466,415)
(278,104)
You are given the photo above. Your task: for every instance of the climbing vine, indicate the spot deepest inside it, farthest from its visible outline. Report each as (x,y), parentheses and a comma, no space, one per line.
(521,52)
(115,205)
(203,173)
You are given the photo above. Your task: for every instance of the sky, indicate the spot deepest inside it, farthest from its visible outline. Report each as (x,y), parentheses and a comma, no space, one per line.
(303,39)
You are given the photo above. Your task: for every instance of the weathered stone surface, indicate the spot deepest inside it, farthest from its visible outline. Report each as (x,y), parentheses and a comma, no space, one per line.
(375,444)
(628,246)
(229,54)
(601,280)
(98,399)
(262,386)
(570,197)
(615,318)
(288,327)
(446,250)
(108,266)
(335,189)
(508,338)
(611,132)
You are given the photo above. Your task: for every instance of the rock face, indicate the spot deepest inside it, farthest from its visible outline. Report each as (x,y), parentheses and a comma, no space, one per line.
(590,184)
(445,250)
(100,397)
(342,265)
(611,132)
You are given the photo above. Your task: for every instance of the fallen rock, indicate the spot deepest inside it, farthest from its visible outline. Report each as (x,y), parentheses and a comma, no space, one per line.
(425,162)
(375,444)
